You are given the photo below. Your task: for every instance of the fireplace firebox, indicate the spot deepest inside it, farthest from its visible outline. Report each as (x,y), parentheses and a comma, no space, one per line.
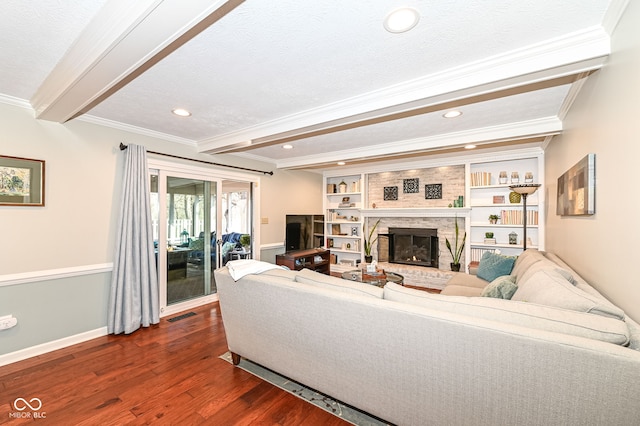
(413,246)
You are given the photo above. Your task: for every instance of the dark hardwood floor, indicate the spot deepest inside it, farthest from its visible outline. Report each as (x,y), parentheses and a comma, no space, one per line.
(168,374)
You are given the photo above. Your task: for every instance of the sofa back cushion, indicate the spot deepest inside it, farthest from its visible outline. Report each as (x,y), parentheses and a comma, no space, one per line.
(545,285)
(517,313)
(524,261)
(317,279)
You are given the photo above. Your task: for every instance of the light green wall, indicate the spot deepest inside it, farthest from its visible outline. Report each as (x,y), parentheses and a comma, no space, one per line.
(53,309)
(603,248)
(76,227)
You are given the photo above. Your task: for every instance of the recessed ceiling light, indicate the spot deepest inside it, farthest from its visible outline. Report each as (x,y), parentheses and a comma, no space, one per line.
(341,163)
(452,114)
(401,20)
(181,112)
(287,146)
(470,146)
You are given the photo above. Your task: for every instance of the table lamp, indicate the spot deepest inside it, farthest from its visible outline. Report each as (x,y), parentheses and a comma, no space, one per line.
(525,190)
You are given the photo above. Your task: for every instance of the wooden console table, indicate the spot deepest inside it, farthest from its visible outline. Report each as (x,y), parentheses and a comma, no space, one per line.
(314,259)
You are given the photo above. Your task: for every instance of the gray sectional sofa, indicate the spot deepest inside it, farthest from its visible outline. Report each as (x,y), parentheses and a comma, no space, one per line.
(557,353)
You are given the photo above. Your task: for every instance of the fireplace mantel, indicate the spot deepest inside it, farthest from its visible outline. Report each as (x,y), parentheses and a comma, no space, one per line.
(417,212)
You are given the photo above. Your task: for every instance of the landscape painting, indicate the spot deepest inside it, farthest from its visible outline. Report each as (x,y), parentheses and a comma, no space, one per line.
(21,181)
(576,189)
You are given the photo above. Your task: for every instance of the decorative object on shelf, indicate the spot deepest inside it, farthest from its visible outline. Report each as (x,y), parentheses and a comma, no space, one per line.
(21,182)
(528,177)
(354,231)
(456,252)
(576,189)
(411,186)
(488,234)
(330,242)
(345,203)
(342,186)
(514,197)
(433,191)
(458,202)
(513,238)
(525,190)
(515,177)
(493,219)
(369,242)
(390,193)
(498,199)
(503,178)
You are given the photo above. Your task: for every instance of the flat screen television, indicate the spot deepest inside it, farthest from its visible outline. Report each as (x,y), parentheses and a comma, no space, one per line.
(303,231)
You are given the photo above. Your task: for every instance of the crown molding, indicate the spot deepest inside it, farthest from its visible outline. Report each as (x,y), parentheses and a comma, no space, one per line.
(135,129)
(568,55)
(17,102)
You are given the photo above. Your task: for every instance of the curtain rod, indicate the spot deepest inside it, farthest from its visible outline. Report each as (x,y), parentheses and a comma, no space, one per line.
(123,147)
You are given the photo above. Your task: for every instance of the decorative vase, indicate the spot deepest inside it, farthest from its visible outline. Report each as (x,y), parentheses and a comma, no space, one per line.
(455,267)
(514,197)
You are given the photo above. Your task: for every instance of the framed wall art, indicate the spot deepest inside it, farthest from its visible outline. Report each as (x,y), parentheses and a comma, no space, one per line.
(21,182)
(577,189)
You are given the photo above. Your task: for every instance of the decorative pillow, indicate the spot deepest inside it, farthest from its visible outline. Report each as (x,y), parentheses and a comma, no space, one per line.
(197,244)
(494,265)
(501,288)
(227,247)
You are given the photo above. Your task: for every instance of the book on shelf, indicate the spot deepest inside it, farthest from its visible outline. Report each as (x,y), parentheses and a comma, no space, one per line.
(480,178)
(514,217)
(489,240)
(476,253)
(346,205)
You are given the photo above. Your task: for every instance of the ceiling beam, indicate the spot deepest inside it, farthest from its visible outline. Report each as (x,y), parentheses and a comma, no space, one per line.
(526,130)
(122,41)
(566,56)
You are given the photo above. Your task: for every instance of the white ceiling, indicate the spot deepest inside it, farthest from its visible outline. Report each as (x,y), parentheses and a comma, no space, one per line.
(324,76)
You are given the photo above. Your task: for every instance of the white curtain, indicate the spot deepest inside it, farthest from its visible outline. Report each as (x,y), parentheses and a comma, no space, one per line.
(134,299)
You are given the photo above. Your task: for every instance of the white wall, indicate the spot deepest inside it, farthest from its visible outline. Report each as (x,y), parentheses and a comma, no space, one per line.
(604,120)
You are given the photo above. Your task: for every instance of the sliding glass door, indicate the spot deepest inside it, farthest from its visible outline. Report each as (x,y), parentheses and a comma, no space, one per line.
(186,223)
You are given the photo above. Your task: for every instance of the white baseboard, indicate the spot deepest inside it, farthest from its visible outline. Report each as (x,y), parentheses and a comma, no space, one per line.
(43,348)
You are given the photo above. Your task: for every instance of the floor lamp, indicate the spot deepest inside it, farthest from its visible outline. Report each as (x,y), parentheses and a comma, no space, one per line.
(525,190)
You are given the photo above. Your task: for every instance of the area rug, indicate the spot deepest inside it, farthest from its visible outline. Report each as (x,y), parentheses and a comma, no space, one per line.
(337,408)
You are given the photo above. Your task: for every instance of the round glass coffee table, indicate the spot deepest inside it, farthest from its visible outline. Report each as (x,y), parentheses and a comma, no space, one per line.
(356,275)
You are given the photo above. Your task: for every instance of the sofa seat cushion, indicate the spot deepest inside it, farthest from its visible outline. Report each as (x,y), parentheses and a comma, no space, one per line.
(462,279)
(522,314)
(547,286)
(307,276)
(462,290)
(493,265)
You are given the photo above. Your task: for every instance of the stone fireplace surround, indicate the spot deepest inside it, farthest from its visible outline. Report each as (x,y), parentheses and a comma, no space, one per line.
(413,210)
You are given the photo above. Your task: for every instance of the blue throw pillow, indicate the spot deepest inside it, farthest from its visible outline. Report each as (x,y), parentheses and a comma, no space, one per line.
(493,265)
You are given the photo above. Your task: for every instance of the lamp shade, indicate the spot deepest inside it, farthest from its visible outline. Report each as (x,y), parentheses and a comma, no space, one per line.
(525,188)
